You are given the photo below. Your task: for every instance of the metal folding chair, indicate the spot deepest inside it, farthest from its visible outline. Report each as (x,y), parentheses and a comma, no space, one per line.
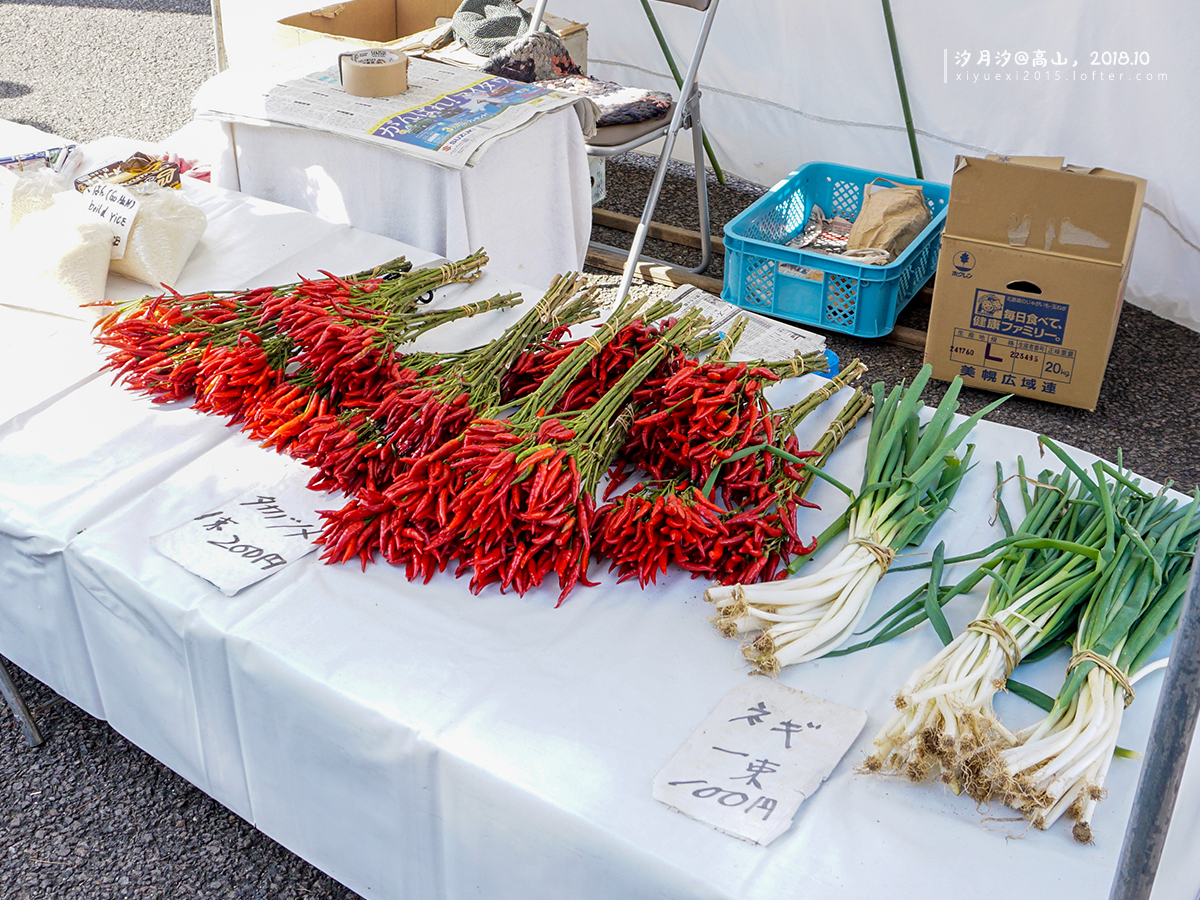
(685,114)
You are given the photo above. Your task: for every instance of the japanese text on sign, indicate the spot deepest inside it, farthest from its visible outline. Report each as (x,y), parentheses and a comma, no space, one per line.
(247,538)
(757,756)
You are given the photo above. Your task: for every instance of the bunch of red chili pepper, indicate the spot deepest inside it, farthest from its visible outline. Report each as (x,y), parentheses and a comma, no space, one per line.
(371,444)
(758,471)
(511,499)
(754,535)
(290,363)
(490,457)
(536,364)
(434,409)
(157,344)
(775,487)
(656,524)
(530,507)
(693,417)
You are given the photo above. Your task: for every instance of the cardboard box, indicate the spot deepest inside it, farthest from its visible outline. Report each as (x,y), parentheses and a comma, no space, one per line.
(1031,277)
(410,25)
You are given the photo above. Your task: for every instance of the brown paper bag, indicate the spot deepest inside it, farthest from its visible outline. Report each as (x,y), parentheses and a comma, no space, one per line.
(889,218)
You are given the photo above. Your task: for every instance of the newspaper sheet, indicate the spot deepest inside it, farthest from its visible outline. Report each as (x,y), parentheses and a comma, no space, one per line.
(448,116)
(763,338)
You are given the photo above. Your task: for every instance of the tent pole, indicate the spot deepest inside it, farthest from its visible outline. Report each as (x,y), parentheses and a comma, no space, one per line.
(1166,755)
(908,122)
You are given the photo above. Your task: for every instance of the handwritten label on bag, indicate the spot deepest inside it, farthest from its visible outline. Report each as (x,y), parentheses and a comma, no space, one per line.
(248,538)
(118,207)
(754,760)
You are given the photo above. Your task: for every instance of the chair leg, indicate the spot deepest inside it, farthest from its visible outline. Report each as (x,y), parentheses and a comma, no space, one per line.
(701,192)
(639,235)
(535,22)
(688,103)
(19,710)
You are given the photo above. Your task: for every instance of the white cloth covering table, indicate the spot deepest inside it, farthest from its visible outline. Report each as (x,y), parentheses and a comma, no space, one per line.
(420,742)
(527,202)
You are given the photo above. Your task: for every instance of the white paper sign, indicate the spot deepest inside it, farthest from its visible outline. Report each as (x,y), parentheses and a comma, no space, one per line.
(758,755)
(247,538)
(117,206)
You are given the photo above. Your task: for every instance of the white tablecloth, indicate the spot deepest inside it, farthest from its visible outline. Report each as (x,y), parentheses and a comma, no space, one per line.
(527,202)
(420,742)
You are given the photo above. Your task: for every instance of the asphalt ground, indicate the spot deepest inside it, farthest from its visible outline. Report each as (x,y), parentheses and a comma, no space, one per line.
(88,815)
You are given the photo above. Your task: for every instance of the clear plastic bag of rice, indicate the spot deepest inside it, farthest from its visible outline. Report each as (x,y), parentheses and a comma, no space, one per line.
(32,190)
(166,230)
(56,259)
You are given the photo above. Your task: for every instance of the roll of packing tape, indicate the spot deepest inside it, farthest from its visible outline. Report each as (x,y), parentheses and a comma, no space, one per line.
(373,73)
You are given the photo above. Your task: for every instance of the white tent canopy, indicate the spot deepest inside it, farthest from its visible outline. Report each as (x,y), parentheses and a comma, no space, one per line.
(787,83)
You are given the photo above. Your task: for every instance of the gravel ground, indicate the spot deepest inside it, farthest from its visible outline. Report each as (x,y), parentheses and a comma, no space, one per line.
(84,69)
(88,815)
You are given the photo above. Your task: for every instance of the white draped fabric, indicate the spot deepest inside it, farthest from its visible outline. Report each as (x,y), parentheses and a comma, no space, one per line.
(416,741)
(527,202)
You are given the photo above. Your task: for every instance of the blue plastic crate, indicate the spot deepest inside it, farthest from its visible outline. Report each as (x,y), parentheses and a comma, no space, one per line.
(765,275)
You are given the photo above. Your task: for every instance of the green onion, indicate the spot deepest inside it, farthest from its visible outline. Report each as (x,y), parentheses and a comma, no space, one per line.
(1058,766)
(1096,557)
(911,475)
(943,710)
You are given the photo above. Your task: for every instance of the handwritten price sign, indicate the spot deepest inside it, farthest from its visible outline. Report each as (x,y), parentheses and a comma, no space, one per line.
(757,756)
(248,538)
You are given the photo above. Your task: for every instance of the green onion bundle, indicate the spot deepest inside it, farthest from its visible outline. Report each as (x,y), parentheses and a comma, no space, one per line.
(944,710)
(1058,766)
(1098,562)
(912,473)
